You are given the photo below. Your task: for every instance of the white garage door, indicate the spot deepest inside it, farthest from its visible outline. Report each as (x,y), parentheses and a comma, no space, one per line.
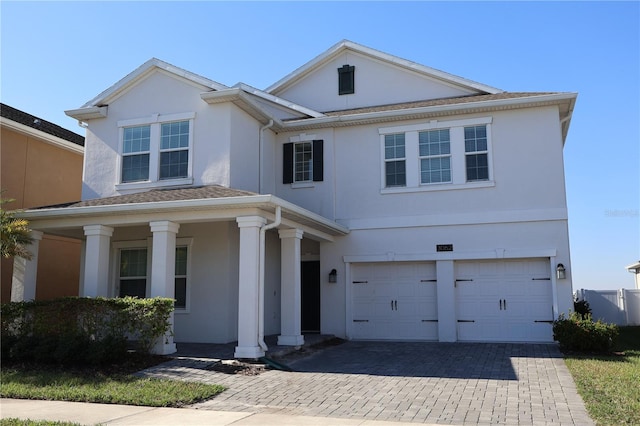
(394,301)
(507,301)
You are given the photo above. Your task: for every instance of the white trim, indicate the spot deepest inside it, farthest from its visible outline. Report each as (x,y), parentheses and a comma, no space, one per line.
(43,136)
(460,255)
(303,184)
(452,219)
(156,118)
(435,124)
(303,137)
(439,186)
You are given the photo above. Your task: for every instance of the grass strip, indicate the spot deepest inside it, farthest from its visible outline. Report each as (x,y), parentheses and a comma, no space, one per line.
(610,384)
(102,388)
(28,422)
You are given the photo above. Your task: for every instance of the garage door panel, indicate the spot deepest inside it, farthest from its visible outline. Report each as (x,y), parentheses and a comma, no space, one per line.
(504,300)
(401,305)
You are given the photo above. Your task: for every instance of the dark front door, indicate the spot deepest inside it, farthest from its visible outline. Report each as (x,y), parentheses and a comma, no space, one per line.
(310,281)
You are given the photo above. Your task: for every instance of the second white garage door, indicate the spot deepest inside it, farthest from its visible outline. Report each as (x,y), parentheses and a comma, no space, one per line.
(508,300)
(394,301)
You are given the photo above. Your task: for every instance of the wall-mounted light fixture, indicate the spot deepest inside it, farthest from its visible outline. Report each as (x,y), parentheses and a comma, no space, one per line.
(333,276)
(560,272)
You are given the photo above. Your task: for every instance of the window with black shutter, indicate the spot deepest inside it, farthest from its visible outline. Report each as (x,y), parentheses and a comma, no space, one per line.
(346,80)
(303,162)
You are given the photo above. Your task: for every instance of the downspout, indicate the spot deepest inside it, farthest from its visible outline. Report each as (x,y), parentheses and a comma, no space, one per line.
(261,154)
(263,231)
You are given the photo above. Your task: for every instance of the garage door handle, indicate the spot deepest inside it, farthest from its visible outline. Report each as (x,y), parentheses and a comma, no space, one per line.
(360,320)
(466,320)
(360,282)
(429,320)
(500,304)
(504,303)
(545,321)
(396,304)
(428,281)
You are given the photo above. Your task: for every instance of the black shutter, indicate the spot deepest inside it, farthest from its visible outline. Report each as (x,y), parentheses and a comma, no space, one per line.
(318,161)
(287,163)
(346,80)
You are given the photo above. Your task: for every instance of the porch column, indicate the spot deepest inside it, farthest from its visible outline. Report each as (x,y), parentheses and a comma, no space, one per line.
(446,295)
(25,272)
(163,274)
(248,287)
(290,288)
(96,261)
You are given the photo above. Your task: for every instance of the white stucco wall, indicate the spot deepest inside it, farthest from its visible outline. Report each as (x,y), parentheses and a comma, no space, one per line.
(376,83)
(163,95)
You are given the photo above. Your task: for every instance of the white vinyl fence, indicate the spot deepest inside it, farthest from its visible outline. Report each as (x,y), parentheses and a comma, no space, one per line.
(621,307)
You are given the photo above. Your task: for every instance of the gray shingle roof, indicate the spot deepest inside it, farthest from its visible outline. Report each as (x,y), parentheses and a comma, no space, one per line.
(160,195)
(39,124)
(437,102)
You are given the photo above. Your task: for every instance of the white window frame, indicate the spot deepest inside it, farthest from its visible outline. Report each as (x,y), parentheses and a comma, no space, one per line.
(458,157)
(295,162)
(466,154)
(386,160)
(154,122)
(303,138)
(434,156)
(147,244)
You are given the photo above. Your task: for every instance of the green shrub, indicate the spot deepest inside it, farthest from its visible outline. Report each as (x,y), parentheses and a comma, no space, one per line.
(76,330)
(583,334)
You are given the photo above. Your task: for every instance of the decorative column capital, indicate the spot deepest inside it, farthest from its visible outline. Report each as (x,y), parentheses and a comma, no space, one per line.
(100,230)
(164,226)
(291,233)
(251,221)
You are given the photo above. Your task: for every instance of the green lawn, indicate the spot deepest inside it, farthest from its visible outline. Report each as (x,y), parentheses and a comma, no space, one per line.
(107,387)
(610,384)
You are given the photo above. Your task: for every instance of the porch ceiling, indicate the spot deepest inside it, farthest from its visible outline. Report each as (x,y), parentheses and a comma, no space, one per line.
(185,205)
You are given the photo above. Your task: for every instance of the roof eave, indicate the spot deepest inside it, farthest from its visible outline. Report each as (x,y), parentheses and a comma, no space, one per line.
(239,97)
(48,138)
(87,113)
(429,111)
(260,201)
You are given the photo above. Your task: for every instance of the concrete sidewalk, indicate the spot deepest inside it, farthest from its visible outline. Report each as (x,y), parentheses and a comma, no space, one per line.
(111,414)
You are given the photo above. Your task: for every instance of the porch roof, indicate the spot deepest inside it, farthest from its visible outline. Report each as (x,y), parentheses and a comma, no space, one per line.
(182,205)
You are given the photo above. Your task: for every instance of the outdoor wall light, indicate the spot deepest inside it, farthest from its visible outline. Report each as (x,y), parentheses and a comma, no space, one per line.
(560,272)
(333,276)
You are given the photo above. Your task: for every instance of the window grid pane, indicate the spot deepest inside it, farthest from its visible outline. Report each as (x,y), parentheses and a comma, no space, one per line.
(435,156)
(174,135)
(395,165)
(136,139)
(133,262)
(174,164)
(303,162)
(477,158)
(394,146)
(135,167)
(180,289)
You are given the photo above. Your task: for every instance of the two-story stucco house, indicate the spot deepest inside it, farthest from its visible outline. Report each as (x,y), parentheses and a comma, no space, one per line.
(362,195)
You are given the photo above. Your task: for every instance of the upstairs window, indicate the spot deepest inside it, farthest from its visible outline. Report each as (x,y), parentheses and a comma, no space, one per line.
(135,153)
(174,150)
(395,160)
(156,151)
(303,162)
(346,80)
(435,156)
(476,153)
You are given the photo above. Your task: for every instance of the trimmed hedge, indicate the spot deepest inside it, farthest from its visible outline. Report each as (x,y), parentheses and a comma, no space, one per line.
(582,334)
(81,330)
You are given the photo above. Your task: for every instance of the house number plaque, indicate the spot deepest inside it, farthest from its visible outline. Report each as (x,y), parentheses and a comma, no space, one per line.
(444,247)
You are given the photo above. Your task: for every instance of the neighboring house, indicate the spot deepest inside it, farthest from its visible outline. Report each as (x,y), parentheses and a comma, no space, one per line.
(635,270)
(41,165)
(362,195)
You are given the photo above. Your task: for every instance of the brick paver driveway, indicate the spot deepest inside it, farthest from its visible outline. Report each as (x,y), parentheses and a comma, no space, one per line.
(456,383)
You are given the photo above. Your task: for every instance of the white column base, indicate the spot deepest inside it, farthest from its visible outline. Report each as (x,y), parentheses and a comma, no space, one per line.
(297,340)
(248,352)
(162,348)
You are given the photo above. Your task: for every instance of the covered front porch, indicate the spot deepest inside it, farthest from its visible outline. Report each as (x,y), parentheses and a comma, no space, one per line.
(214,250)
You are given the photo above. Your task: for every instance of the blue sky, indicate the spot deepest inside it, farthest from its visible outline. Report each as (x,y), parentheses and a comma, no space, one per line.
(57,55)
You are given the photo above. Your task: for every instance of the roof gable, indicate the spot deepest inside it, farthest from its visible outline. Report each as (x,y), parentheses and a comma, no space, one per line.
(142,72)
(348,49)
